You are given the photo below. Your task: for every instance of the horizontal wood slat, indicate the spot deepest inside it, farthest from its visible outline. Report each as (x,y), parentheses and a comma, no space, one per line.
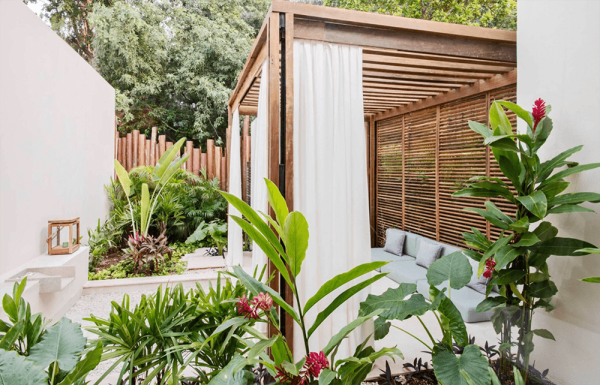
(429,208)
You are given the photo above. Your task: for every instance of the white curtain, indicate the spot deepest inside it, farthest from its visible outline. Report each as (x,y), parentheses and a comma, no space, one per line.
(330,180)
(235,252)
(258,189)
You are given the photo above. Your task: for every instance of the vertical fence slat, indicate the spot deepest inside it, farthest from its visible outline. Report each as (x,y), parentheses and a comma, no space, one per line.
(210,158)
(203,163)
(142,150)
(196,161)
(162,139)
(136,137)
(224,179)
(189,149)
(148,152)
(217,166)
(152,148)
(129,151)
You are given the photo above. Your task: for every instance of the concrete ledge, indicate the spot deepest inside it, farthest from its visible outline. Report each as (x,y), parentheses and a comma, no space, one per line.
(149,283)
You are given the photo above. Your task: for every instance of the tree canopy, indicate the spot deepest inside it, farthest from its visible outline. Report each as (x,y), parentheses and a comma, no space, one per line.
(500,14)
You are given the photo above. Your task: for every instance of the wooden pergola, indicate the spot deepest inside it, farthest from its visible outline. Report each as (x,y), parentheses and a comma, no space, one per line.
(409,66)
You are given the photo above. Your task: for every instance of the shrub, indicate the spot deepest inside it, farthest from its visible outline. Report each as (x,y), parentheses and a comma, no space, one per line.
(31,354)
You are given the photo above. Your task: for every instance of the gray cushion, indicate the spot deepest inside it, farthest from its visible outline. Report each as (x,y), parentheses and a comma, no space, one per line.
(478,284)
(378,254)
(465,300)
(405,271)
(428,253)
(394,241)
(447,249)
(411,244)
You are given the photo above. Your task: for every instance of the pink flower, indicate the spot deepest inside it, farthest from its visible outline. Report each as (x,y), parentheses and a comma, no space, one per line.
(315,362)
(263,301)
(487,273)
(538,112)
(244,308)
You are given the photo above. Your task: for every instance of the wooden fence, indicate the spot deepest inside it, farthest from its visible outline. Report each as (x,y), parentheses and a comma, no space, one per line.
(134,150)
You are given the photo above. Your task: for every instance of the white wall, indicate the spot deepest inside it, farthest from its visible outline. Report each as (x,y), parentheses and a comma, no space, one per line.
(558,45)
(56,135)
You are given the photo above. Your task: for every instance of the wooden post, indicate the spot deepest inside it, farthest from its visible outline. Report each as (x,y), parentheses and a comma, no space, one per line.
(136,137)
(404,136)
(217,166)
(149,151)
(162,140)
(169,144)
(152,151)
(210,158)
(204,163)
(129,151)
(196,161)
(224,176)
(189,149)
(142,150)
(437,174)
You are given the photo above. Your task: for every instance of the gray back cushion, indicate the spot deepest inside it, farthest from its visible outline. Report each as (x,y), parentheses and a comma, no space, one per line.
(394,241)
(450,249)
(429,252)
(411,244)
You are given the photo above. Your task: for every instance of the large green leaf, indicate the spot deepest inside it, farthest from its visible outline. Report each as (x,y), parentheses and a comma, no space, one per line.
(172,169)
(12,335)
(492,208)
(295,237)
(62,343)
(15,369)
(342,298)
(336,339)
(326,376)
(544,334)
(83,367)
(520,112)
(342,279)
(255,287)
(591,279)
(520,226)
(505,255)
(477,192)
(450,369)
(165,161)
(570,171)
(536,203)
(574,198)
(562,209)
(447,308)
(507,276)
(527,239)
(454,268)
(552,189)
(562,247)
(265,246)
(547,167)
(480,128)
(512,170)
(228,376)
(255,219)
(393,302)
(490,303)
(500,243)
(123,176)
(545,231)
(498,119)
(277,202)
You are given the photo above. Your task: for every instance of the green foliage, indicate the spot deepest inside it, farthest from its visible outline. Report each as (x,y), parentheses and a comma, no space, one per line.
(32,354)
(591,251)
(292,229)
(174,64)
(521,271)
(483,13)
(403,303)
(215,229)
(168,331)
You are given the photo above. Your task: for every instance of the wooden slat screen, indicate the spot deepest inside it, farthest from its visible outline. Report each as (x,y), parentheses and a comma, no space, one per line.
(389,177)
(419,160)
(440,152)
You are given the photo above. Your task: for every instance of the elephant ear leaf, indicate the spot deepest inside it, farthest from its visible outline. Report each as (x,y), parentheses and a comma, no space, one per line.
(83,367)
(62,343)
(452,370)
(15,369)
(454,268)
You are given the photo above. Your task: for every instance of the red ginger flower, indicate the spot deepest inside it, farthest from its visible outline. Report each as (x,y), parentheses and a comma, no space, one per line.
(244,308)
(263,301)
(489,264)
(487,273)
(315,362)
(538,112)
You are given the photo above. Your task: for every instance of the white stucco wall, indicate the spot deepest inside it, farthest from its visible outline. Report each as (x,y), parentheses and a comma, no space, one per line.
(558,45)
(56,135)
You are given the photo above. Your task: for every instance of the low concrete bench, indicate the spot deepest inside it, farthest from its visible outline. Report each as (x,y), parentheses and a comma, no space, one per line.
(403,268)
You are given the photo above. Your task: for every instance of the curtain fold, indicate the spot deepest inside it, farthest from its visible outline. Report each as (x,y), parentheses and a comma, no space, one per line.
(330,181)
(259,163)
(235,255)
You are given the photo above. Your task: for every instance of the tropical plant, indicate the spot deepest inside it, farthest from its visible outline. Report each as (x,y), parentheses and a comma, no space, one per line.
(156,340)
(451,366)
(286,249)
(101,240)
(31,354)
(162,173)
(147,251)
(591,251)
(217,231)
(517,262)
